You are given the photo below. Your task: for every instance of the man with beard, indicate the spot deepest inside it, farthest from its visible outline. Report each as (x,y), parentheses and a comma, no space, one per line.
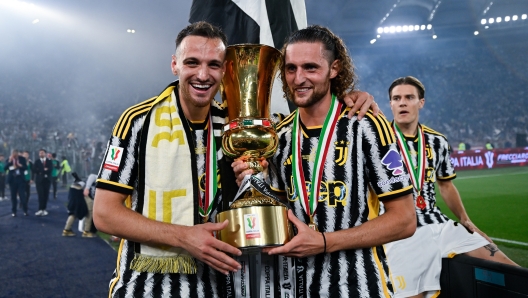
(335,171)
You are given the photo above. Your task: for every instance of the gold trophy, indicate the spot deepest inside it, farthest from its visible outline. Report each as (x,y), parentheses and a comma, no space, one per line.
(257,219)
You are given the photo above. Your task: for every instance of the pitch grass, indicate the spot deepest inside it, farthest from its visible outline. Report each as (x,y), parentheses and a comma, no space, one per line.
(496,200)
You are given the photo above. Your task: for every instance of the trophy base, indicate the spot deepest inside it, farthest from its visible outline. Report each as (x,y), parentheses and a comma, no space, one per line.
(252,228)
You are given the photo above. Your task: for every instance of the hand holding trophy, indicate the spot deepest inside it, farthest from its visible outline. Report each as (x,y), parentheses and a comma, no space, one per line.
(257,218)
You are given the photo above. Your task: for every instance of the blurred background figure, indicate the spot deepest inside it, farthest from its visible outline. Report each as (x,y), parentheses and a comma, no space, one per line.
(2,177)
(42,172)
(54,172)
(17,165)
(65,169)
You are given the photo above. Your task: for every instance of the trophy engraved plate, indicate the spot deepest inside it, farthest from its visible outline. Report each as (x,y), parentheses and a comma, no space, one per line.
(257,219)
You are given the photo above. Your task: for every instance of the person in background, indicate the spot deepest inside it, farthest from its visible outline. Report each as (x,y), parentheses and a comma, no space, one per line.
(76,206)
(416,262)
(17,165)
(489,146)
(42,168)
(89,195)
(54,173)
(2,177)
(65,169)
(28,176)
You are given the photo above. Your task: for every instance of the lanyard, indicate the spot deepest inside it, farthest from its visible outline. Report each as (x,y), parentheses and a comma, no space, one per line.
(211,180)
(309,201)
(417,172)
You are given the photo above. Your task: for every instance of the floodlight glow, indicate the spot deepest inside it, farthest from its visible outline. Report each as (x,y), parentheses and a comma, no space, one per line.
(404,28)
(133,31)
(31,10)
(378,36)
(372,41)
(398,29)
(35,21)
(507,19)
(491,20)
(486,27)
(392,29)
(416,27)
(524,16)
(498,20)
(514,18)
(422,27)
(128,30)
(476,33)
(380,30)
(434,36)
(429,27)
(483,21)
(411,28)
(386,29)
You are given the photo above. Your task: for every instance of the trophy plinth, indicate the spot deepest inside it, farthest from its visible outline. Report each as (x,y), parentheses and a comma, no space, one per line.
(257,219)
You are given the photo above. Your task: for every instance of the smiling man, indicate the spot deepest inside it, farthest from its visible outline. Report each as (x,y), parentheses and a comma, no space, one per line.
(152,189)
(334,171)
(416,262)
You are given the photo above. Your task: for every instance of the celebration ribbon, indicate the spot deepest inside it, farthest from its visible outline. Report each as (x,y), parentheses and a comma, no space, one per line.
(417,172)
(309,202)
(211,180)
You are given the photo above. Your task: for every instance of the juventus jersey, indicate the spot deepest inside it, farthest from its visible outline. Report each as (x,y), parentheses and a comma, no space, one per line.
(438,166)
(363,166)
(124,179)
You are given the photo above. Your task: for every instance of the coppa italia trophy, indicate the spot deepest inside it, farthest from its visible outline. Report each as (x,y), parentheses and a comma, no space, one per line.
(257,218)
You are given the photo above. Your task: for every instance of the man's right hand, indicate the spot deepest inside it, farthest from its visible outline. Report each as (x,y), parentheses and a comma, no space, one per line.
(201,244)
(241,169)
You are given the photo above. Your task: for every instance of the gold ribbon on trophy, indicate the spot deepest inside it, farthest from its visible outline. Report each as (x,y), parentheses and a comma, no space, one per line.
(258,219)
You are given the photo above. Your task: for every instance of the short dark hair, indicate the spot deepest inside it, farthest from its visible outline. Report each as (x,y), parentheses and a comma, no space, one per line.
(54,155)
(408,80)
(203,29)
(42,149)
(335,50)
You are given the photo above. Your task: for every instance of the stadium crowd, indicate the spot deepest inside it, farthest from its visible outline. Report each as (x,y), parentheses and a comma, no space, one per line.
(476,93)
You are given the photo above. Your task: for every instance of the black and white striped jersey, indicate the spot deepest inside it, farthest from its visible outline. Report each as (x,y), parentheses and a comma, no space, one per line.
(363,167)
(439,167)
(124,179)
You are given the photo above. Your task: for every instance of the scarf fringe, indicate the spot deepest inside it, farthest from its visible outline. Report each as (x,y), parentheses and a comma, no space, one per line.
(184,264)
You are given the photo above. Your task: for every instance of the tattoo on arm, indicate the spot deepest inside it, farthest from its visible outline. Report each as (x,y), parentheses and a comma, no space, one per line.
(492,248)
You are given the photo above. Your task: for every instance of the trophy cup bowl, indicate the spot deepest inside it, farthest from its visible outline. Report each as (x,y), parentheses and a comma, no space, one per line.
(255,220)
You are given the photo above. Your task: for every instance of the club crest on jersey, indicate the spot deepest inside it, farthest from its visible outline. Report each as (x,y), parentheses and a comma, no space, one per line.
(113,158)
(393,161)
(342,152)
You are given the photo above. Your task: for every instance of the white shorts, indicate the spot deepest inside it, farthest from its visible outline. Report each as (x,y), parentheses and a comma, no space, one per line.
(415,263)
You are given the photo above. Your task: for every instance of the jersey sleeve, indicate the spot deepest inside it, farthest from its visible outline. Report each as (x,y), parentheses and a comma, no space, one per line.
(384,165)
(276,183)
(119,169)
(445,169)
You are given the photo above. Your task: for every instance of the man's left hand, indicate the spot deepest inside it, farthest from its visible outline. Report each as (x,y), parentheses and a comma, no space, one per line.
(362,102)
(473,228)
(306,243)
